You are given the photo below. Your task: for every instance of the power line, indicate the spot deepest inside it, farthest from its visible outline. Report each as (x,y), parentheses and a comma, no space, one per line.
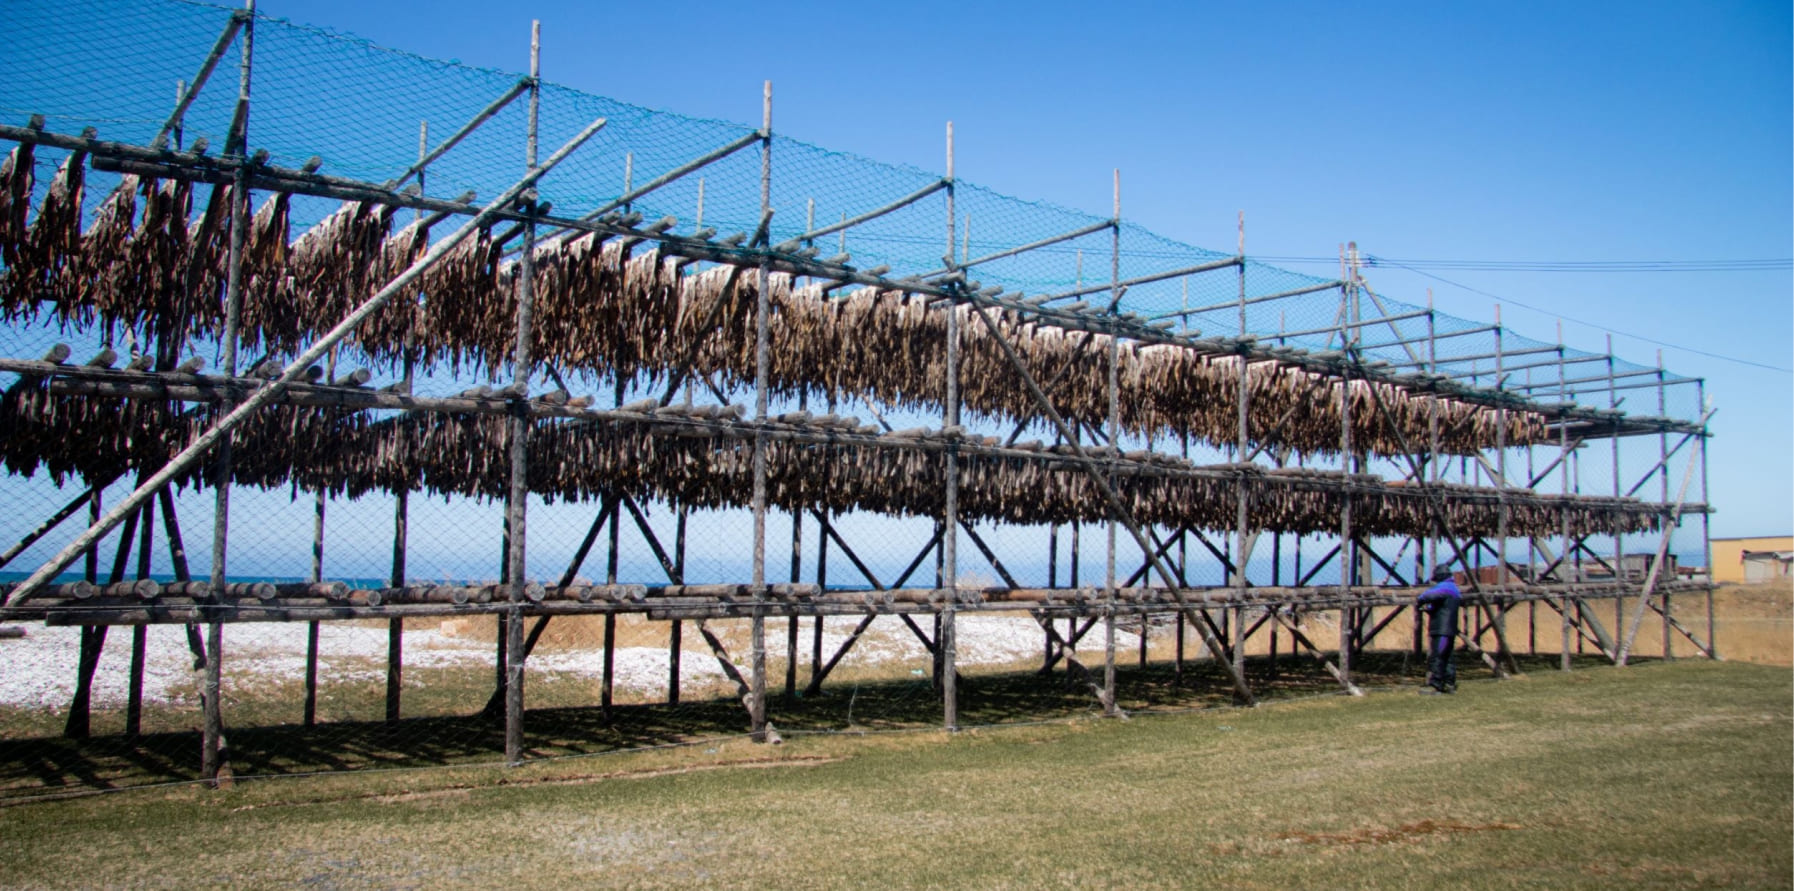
(1760,265)
(1768,264)
(1662,343)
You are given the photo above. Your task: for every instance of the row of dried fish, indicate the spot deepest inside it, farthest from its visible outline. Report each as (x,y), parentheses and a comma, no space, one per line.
(347,453)
(601,306)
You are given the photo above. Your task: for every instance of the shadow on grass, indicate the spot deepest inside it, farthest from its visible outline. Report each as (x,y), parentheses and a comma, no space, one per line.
(48,765)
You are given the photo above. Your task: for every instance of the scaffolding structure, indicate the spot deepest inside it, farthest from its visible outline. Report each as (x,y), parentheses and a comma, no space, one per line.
(1347,431)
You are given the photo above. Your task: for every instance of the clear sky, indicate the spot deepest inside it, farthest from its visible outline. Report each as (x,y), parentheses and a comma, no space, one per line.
(1423,131)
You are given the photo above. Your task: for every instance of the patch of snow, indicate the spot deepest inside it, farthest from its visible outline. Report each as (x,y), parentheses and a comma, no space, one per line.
(38,670)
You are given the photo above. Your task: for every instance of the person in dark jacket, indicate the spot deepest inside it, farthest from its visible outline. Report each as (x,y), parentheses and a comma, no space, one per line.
(1441,603)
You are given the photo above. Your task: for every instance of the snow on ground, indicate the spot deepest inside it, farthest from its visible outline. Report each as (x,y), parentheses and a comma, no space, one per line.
(38,670)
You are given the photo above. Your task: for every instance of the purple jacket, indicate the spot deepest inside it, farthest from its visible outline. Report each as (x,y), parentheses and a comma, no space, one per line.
(1441,604)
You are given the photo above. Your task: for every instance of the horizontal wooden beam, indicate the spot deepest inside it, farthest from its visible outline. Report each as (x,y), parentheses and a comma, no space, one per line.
(149,602)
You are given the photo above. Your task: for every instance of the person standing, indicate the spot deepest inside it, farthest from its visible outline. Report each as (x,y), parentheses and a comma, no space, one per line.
(1441,603)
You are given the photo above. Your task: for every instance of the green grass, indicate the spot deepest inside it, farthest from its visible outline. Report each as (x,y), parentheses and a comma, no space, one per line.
(443,724)
(1661,775)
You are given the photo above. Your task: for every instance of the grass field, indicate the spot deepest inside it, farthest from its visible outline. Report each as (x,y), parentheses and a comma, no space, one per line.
(882,687)
(1669,774)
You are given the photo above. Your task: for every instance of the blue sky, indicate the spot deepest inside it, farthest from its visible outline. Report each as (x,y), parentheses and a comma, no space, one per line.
(1562,132)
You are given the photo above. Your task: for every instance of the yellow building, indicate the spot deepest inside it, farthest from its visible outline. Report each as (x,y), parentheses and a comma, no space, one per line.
(1760,559)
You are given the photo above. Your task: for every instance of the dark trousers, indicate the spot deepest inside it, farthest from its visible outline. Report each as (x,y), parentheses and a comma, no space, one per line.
(1440,672)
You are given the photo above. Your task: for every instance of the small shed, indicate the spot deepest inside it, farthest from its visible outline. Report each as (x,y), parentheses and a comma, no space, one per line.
(1767,566)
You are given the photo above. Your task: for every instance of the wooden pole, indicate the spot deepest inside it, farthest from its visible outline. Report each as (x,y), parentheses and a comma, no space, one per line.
(140,633)
(56,519)
(93,643)
(1663,494)
(1501,504)
(1109,708)
(1533,554)
(1435,466)
(1563,470)
(676,633)
(516,511)
(1706,531)
(310,709)
(946,639)
(1345,501)
(796,574)
(762,365)
(1046,637)
(822,536)
(212,740)
(821,585)
(395,627)
(793,622)
(1242,494)
(606,685)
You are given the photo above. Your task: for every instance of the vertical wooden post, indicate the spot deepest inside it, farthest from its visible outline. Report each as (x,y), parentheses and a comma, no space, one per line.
(1433,473)
(946,640)
(1499,608)
(310,710)
(1576,486)
(140,633)
(822,536)
(517,510)
(1272,627)
(93,640)
(1619,547)
(1109,708)
(1177,666)
(1565,460)
(395,627)
(797,572)
(1345,500)
(1242,494)
(73,727)
(793,622)
(1663,498)
(1700,389)
(1533,549)
(91,559)
(676,633)
(607,680)
(762,365)
(1046,631)
(212,737)
(1183,539)
(934,619)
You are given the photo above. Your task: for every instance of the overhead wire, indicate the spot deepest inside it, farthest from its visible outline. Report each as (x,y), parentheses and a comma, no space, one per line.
(1599,327)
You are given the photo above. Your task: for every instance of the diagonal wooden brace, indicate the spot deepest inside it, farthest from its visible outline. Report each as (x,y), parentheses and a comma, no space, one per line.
(1669,531)
(263,396)
(1117,509)
(1313,651)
